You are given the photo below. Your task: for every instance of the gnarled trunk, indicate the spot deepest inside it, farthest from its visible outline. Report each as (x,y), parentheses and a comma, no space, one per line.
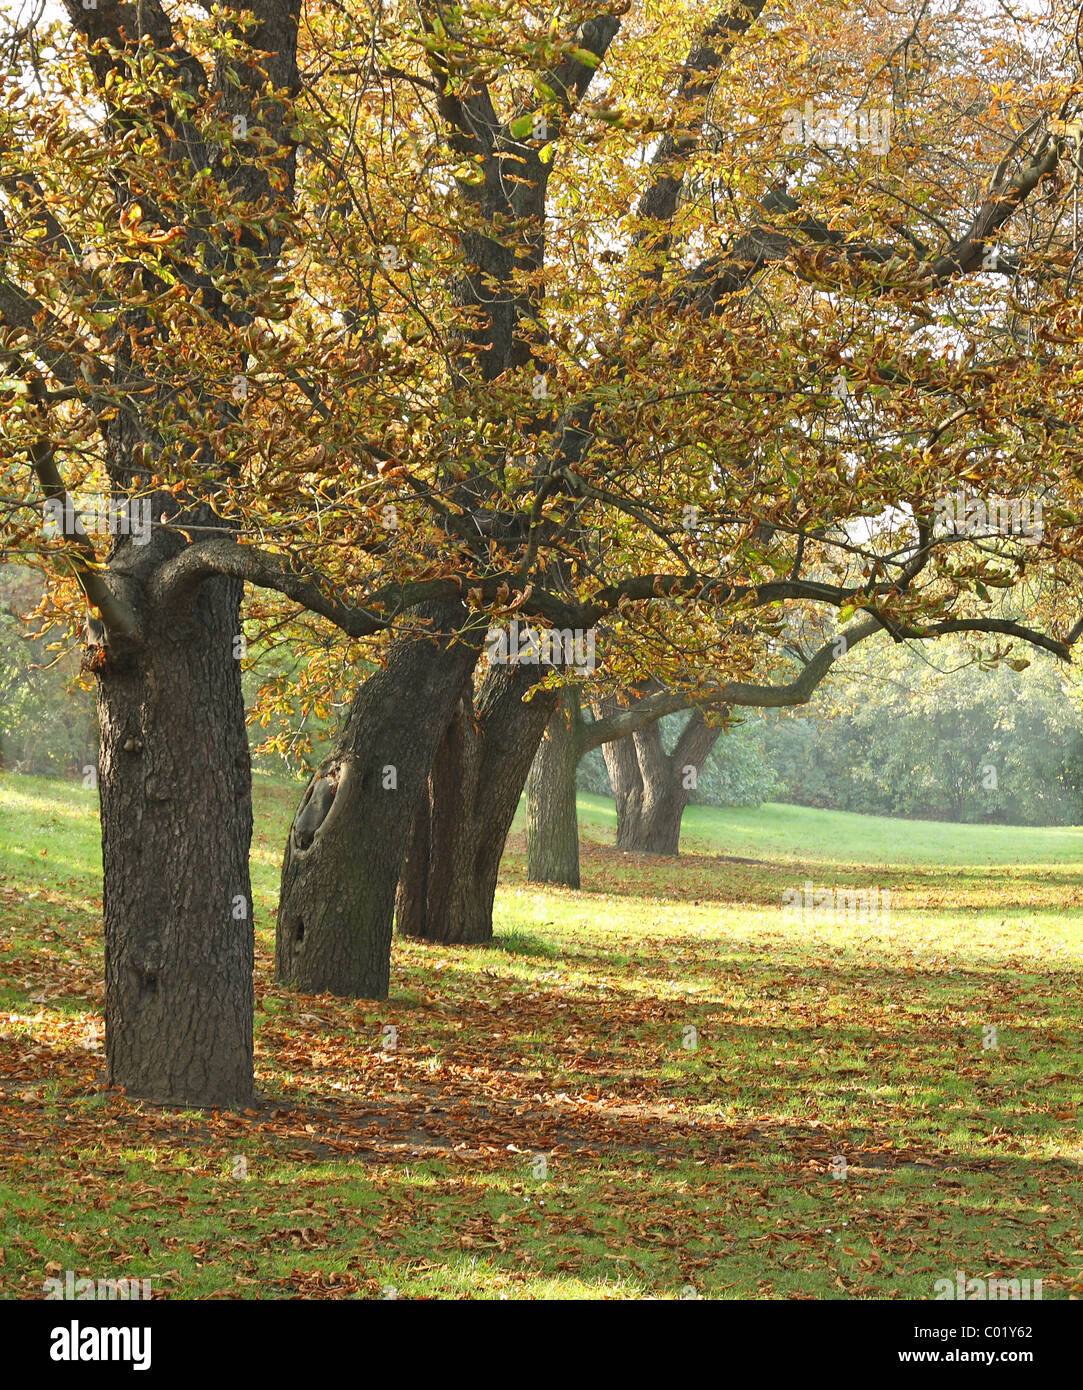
(552,825)
(449,876)
(176,816)
(651,787)
(627,783)
(345,849)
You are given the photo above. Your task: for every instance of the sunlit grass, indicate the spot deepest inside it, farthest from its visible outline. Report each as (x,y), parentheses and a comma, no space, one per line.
(666,1167)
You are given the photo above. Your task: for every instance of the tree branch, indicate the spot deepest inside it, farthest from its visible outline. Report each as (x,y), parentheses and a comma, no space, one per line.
(120,621)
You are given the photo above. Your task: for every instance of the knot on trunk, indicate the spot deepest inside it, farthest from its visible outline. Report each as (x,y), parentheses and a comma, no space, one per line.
(315,807)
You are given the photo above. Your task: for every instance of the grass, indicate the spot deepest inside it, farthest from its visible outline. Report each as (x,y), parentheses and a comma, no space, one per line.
(784,833)
(542,1130)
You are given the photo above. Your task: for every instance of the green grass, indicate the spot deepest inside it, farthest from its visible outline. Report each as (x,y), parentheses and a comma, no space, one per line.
(414,1170)
(780,832)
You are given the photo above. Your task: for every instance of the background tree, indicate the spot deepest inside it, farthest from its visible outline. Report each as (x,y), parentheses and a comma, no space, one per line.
(538,438)
(652,787)
(448,880)
(46,718)
(934,735)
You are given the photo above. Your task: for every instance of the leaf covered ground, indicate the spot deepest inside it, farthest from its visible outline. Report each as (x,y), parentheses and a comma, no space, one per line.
(543,1127)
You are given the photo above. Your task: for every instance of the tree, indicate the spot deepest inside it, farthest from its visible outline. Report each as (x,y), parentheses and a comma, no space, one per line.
(552,823)
(111,270)
(768,482)
(160,354)
(437,339)
(652,787)
(376,776)
(448,880)
(934,735)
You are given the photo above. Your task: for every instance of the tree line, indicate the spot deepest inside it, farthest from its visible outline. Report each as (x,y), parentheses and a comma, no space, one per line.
(446,317)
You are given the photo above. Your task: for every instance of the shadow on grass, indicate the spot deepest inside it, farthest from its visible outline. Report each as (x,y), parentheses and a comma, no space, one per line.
(734,881)
(524,943)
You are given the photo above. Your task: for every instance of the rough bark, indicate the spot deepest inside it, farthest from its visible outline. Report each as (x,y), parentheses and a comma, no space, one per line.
(552,826)
(448,881)
(345,850)
(651,787)
(176,816)
(552,820)
(434,878)
(174,774)
(626,780)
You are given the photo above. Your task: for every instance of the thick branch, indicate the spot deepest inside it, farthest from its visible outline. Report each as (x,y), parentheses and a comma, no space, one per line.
(617,725)
(570,80)
(119,619)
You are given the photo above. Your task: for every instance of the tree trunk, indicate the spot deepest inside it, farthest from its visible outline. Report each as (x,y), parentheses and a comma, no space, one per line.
(435,897)
(346,846)
(449,876)
(176,816)
(656,828)
(552,825)
(627,782)
(652,787)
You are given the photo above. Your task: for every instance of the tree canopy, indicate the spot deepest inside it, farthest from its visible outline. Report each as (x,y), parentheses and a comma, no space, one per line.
(550,309)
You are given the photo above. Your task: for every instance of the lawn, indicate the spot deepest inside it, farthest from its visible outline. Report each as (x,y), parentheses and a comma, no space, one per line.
(544,1127)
